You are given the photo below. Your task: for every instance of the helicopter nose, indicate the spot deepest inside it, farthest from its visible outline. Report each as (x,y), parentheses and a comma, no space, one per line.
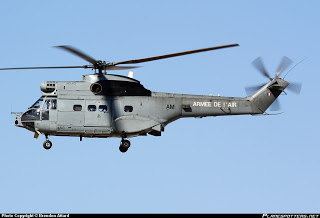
(17,121)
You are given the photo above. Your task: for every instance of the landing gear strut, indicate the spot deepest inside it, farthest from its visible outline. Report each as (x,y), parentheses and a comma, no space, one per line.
(124,145)
(47,144)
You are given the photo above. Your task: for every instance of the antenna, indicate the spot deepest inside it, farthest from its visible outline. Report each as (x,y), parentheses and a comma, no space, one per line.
(11,111)
(294,67)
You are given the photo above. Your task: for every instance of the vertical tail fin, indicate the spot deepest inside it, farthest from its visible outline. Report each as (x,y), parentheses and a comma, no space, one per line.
(267,94)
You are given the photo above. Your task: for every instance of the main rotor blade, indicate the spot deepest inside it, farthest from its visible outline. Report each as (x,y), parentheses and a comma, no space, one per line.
(258,64)
(78,53)
(120,68)
(35,68)
(295,88)
(172,55)
(284,64)
(63,67)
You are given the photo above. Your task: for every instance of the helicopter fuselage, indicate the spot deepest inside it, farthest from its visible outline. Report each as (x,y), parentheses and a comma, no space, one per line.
(118,106)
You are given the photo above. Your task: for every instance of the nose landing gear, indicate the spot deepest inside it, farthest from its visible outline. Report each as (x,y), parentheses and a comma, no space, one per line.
(47,144)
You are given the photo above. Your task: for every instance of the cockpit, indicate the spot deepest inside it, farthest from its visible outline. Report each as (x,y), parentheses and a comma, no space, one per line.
(40,109)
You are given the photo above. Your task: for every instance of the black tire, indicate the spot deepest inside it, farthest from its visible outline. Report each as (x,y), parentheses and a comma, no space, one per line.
(124,146)
(47,144)
(123,149)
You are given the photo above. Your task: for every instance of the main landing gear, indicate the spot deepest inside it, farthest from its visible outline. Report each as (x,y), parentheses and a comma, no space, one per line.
(124,145)
(47,144)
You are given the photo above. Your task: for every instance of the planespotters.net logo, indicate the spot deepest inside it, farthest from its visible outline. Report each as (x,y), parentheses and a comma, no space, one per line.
(290,216)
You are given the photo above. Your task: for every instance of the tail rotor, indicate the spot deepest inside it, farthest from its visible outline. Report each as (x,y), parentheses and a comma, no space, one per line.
(283,66)
(259,65)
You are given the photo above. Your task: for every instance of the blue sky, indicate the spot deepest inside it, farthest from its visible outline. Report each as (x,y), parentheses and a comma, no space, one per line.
(237,164)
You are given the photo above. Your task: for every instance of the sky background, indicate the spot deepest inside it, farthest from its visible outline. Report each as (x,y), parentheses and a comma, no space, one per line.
(232,164)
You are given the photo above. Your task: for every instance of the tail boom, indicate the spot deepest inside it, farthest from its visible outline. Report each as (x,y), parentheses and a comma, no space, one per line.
(258,103)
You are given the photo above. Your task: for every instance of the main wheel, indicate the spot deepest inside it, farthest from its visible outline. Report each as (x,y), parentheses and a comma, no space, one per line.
(47,144)
(124,146)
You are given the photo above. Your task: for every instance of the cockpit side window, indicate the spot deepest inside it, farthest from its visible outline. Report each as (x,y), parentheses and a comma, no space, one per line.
(49,104)
(46,105)
(45,109)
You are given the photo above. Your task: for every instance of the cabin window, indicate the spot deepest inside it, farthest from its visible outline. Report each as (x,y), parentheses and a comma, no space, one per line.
(45,110)
(103,108)
(77,107)
(92,108)
(128,108)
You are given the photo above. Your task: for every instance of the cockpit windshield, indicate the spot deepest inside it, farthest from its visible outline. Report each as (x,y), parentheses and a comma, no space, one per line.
(40,109)
(37,104)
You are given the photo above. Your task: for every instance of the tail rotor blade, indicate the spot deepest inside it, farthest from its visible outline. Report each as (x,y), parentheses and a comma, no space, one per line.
(275,106)
(258,64)
(284,64)
(295,88)
(252,89)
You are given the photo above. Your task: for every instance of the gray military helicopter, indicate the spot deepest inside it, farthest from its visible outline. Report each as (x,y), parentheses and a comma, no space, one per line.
(106,105)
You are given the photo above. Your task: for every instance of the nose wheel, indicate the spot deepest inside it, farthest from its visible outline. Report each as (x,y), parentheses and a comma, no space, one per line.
(47,144)
(124,145)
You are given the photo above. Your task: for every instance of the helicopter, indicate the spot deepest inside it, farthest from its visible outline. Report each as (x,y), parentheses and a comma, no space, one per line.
(106,105)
